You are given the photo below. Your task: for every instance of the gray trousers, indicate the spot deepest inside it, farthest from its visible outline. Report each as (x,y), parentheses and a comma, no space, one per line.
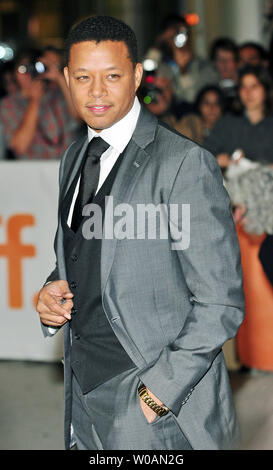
(110,418)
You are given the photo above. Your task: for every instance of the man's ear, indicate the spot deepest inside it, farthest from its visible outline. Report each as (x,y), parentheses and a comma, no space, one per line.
(138,75)
(66,75)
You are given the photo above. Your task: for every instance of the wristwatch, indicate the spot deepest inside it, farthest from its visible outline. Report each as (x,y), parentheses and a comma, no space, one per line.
(160,410)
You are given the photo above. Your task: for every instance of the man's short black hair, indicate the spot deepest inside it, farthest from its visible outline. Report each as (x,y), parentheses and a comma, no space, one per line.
(102,28)
(172,20)
(258,48)
(225,44)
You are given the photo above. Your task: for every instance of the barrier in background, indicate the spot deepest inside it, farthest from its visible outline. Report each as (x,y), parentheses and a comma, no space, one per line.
(28,219)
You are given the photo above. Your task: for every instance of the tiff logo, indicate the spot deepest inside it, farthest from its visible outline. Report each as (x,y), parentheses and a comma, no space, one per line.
(14,251)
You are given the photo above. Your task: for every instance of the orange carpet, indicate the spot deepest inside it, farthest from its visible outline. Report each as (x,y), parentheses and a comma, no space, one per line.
(255,337)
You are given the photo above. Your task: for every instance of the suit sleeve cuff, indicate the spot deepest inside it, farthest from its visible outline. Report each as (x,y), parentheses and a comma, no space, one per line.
(170,393)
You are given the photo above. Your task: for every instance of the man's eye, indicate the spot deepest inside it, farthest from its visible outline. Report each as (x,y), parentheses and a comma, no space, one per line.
(113,76)
(82,78)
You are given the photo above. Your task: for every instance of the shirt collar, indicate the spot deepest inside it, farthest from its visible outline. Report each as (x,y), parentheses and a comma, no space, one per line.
(120,133)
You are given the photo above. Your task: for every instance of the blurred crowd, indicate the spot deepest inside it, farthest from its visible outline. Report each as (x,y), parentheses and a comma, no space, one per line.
(225,104)
(37,117)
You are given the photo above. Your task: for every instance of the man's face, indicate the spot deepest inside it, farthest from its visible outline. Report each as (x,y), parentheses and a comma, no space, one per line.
(249,55)
(210,108)
(226,64)
(102,81)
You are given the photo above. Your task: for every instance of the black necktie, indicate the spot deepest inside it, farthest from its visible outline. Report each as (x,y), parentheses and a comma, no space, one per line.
(89,178)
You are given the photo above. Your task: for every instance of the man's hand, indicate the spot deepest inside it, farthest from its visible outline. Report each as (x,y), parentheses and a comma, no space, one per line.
(53,71)
(149,414)
(223,160)
(239,214)
(50,306)
(36,90)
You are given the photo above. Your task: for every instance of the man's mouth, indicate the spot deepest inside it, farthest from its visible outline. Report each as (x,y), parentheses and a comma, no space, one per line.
(98,109)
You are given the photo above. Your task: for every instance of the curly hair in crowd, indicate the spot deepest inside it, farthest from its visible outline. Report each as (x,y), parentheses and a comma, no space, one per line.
(254,190)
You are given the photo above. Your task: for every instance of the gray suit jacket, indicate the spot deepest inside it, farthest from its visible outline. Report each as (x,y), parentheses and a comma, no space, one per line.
(172,310)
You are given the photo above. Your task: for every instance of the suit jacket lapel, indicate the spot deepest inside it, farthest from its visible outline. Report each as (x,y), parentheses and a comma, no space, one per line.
(74,167)
(69,174)
(133,161)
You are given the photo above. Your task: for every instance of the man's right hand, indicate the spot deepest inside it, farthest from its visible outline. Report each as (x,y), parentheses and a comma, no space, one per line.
(223,160)
(50,306)
(36,90)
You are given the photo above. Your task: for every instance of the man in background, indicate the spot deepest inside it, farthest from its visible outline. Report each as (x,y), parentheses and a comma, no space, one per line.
(38,118)
(173,51)
(224,55)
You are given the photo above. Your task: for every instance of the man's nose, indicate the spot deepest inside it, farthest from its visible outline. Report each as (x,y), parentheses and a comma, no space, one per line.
(248,91)
(97,88)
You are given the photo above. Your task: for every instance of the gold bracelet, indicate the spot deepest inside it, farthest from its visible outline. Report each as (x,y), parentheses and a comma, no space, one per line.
(160,410)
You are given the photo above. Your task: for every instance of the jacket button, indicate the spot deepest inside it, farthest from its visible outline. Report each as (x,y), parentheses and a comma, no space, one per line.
(73,285)
(74,258)
(73,310)
(77,336)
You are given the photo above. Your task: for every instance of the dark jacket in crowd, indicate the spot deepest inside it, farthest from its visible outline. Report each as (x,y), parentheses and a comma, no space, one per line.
(237,132)
(266,257)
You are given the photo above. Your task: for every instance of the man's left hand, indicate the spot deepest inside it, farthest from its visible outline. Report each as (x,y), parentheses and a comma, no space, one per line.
(53,72)
(149,414)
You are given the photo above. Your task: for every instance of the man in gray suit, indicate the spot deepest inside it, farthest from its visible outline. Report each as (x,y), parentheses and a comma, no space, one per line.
(144,307)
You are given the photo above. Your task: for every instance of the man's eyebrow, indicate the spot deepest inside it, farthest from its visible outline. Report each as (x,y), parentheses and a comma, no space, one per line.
(111,67)
(80,69)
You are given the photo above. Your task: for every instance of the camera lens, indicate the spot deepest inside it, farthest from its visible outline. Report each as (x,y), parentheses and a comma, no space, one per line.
(149,65)
(40,67)
(181,38)
(22,69)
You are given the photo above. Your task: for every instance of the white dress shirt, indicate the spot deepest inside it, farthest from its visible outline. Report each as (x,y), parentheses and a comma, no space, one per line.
(117,136)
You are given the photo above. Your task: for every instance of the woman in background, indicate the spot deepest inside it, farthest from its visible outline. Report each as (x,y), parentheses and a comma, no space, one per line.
(209,107)
(249,132)
(251,129)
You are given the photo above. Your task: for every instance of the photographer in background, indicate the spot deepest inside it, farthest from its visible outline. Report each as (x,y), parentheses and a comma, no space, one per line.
(158,99)
(37,119)
(174,52)
(156,93)
(52,58)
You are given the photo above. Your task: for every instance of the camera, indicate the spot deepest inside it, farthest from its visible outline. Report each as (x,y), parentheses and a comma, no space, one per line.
(34,68)
(181,37)
(149,91)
